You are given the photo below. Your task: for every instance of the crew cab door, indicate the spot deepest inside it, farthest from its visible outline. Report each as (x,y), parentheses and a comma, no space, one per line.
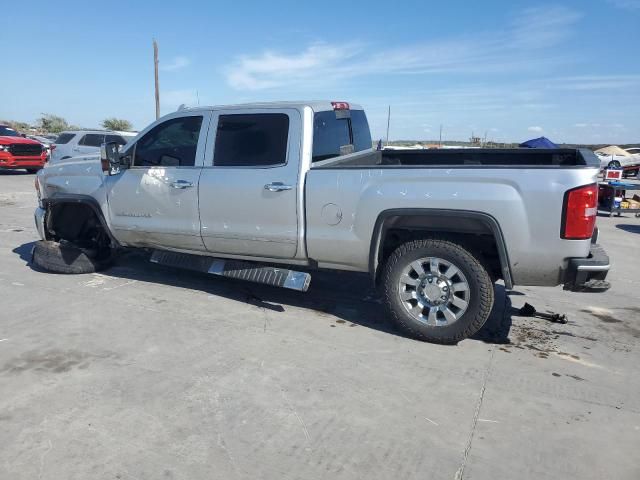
(154,202)
(249,185)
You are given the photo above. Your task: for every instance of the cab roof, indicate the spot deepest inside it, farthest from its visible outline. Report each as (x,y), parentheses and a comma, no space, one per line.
(316,105)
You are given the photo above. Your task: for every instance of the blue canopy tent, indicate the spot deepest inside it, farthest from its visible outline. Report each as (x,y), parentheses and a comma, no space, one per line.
(542,142)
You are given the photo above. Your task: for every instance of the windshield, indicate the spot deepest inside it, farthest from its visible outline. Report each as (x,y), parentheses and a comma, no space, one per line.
(8,132)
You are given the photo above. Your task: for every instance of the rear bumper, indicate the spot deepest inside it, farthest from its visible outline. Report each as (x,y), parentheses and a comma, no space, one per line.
(588,274)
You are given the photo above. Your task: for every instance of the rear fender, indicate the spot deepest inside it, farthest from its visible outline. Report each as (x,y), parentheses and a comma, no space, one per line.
(439,221)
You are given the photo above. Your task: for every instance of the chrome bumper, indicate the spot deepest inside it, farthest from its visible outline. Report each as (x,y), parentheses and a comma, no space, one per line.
(38,215)
(588,274)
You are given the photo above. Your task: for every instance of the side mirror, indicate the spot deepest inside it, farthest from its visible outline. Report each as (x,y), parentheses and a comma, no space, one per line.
(110,158)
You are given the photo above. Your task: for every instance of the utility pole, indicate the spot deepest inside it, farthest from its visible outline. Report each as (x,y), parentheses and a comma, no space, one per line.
(155,73)
(388,121)
(440,141)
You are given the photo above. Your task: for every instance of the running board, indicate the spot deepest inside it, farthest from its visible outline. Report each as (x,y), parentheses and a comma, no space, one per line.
(238,269)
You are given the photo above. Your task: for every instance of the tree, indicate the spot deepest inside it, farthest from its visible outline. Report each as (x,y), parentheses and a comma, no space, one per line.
(117,124)
(52,123)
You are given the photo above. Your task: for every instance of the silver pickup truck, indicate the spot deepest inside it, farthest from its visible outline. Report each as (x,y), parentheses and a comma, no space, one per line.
(269,192)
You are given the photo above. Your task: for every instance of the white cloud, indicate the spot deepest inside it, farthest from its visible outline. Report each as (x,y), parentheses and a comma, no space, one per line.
(273,69)
(518,47)
(176,63)
(598,82)
(581,125)
(626,4)
(542,27)
(535,129)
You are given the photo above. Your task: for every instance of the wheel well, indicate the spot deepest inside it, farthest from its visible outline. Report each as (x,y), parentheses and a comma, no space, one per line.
(76,222)
(478,233)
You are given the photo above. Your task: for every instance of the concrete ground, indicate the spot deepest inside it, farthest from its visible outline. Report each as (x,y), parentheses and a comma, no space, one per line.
(144,372)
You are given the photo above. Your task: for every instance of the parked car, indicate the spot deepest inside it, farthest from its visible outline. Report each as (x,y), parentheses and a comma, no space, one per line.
(75,143)
(45,141)
(634,151)
(18,152)
(270,192)
(615,157)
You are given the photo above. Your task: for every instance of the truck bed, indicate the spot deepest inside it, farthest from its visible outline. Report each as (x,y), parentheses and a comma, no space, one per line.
(466,157)
(522,190)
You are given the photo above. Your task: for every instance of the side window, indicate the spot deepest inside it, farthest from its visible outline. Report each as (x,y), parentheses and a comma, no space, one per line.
(115,138)
(64,138)
(258,140)
(329,134)
(92,140)
(171,144)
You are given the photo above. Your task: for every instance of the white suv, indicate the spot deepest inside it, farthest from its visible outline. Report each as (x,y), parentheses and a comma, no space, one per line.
(85,142)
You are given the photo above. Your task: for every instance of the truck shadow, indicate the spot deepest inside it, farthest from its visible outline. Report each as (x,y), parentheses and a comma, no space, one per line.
(342,298)
(16,172)
(628,228)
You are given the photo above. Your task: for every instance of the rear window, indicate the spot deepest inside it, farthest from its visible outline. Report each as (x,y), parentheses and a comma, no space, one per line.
(64,138)
(92,140)
(360,130)
(256,140)
(334,136)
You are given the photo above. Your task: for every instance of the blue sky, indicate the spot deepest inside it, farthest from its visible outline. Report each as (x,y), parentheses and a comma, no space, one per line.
(568,70)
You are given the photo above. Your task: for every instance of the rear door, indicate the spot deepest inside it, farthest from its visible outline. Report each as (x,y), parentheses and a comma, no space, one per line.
(248,188)
(89,143)
(155,201)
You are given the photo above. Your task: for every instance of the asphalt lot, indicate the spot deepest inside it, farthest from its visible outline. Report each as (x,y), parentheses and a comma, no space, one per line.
(144,372)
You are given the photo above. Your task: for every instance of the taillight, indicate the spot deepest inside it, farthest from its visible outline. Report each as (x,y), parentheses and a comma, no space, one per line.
(579,212)
(340,105)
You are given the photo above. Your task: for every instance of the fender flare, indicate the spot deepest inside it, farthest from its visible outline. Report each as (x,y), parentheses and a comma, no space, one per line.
(381,226)
(74,198)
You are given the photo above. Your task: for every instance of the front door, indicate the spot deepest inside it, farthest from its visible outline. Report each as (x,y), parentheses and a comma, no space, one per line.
(154,203)
(248,187)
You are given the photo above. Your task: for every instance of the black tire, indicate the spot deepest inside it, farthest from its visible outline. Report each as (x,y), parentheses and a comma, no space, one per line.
(32,170)
(66,258)
(481,294)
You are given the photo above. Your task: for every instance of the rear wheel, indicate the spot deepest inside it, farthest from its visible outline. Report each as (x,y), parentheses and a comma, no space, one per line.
(64,257)
(437,291)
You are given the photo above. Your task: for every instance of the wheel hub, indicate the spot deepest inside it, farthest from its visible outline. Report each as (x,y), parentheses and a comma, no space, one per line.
(434,290)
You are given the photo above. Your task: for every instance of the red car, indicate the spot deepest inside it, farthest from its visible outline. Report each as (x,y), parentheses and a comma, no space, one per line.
(19,152)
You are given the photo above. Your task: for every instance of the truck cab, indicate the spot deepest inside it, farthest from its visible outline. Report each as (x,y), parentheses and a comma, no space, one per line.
(221,179)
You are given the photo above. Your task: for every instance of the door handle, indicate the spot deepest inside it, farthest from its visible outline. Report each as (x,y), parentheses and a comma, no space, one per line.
(277,187)
(181,184)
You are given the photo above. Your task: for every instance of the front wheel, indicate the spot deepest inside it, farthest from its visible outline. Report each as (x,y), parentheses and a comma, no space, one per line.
(437,291)
(67,258)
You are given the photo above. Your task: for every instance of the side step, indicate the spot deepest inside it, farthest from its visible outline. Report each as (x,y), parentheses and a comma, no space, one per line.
(238,269)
